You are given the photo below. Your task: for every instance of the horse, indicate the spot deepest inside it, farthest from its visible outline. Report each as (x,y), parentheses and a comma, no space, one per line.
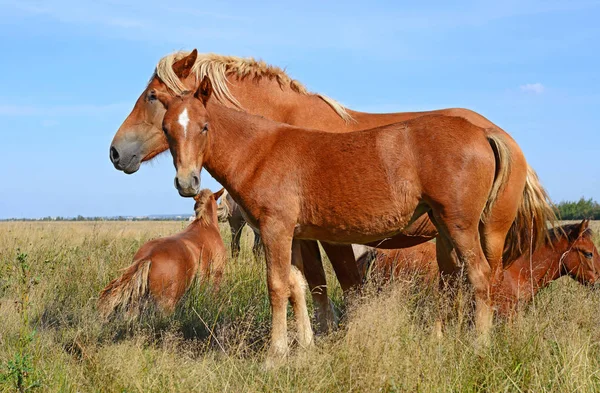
(266,90)
(163,269)
(569,251)
(302,183)
(228,210)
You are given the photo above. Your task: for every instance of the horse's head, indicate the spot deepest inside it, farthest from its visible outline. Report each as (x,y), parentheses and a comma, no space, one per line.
(187,132)
(206,205)
(140,137)
(582,261)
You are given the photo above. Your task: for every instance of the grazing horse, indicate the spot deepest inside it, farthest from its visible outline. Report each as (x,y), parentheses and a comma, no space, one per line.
(306,184)
(266,90)
(228,210)
(569,250)
(163,269)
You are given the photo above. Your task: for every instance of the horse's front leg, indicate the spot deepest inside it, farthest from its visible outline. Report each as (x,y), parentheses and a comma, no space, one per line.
(277,240)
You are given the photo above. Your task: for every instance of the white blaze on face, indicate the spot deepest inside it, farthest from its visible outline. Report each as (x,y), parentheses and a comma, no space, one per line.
(184,120)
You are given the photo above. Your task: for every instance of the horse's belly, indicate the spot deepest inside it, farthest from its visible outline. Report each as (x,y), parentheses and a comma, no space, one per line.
(354,228)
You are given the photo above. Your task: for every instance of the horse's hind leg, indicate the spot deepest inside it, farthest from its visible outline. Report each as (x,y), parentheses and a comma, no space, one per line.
(464,236)
(307,258)
(344,264)
(449,276)
(493,236)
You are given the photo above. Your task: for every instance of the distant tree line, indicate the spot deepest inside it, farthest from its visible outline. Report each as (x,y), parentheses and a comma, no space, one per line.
(82,218)
(583,208)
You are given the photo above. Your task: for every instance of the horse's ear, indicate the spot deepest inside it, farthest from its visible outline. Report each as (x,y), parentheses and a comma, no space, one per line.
(162,96)
(183,67)
(218,194)
(583,227)
(204,90)
(197,197)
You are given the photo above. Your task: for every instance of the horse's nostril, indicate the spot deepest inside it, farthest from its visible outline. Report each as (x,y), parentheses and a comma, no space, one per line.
(114,155)
(195,181)
(177,185)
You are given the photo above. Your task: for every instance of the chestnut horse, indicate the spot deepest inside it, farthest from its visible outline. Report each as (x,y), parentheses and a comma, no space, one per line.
(301,183)
(228,210)
(266,90)
(569,250)
(163,269)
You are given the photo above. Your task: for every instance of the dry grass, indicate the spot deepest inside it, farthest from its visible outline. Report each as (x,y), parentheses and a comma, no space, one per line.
(51,338)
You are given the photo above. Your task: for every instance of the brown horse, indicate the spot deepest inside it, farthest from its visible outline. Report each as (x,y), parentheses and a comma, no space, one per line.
(228,210)
(163,269)
(307,184)
(569,250)
(268,91)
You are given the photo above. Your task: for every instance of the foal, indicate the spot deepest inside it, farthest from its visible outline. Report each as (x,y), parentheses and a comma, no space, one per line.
(163,269)
(569,250)
(310,184)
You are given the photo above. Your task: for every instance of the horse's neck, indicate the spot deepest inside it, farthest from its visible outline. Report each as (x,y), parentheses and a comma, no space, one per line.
(542,267)
(237,142)
(195,231)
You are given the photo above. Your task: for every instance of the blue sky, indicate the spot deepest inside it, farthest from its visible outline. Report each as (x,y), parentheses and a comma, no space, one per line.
(72,70)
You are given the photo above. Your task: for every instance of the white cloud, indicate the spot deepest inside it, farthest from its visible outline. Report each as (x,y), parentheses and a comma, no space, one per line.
(536,88)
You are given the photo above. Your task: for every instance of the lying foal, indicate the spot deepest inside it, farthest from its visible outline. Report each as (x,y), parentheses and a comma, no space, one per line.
(569,251)
(163,269)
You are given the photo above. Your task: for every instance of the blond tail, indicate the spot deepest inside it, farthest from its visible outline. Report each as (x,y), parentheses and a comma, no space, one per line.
(126,292)
(530,228)
(503,168)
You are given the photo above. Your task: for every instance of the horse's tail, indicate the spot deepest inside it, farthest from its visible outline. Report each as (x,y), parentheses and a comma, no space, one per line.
(224,208)
(530,228)
(126,292)
(503,157)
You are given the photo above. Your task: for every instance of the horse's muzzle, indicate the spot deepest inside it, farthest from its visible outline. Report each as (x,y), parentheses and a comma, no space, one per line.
(188,186)
(125,158)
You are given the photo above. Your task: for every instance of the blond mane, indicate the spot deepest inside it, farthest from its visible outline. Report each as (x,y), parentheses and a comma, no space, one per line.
(202,201)
(218,67)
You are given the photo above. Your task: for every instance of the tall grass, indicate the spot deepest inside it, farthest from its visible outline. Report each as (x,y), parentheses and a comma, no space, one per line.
(53,340)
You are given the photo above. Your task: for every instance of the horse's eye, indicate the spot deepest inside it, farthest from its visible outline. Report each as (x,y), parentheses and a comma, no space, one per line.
(587,254)
(205,128)
(165,130)
(152,95)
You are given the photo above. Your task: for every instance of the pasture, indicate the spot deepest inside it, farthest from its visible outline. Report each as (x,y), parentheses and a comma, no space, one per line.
(52,339)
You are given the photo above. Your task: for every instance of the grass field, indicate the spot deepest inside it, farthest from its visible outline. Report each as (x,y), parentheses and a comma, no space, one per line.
(51,338)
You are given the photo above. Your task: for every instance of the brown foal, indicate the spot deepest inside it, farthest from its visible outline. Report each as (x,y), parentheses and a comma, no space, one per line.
(307,184)
(265,90)
(163,269)
(569,250)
